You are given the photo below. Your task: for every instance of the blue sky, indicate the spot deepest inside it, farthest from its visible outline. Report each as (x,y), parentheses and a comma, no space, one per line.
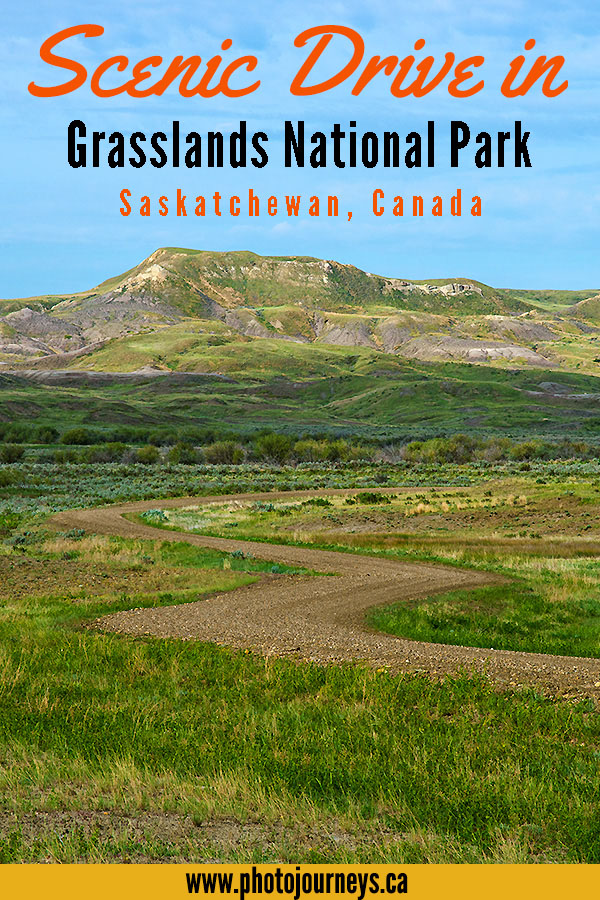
(61,229)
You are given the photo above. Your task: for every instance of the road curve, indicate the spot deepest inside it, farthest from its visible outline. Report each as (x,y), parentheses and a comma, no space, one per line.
(322,618)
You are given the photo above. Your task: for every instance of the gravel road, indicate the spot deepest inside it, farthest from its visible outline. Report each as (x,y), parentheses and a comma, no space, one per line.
(322,618)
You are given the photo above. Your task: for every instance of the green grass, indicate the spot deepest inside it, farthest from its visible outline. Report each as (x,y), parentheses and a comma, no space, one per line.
(140,749)
(232,735)
(182,554)
(335,390)
(505,617)
(552,603)
(548,300)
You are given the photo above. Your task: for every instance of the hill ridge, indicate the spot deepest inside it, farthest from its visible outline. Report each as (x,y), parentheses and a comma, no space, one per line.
(177,295)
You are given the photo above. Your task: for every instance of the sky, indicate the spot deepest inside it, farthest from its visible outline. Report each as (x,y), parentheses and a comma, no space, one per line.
(540,227)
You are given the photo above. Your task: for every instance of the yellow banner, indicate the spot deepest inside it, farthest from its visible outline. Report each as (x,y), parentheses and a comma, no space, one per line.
(178,882)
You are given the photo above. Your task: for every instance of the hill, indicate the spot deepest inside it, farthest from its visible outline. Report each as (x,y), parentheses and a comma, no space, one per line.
(175,307)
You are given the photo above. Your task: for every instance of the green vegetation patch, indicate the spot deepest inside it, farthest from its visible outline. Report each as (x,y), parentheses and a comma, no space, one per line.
(504,617)
(101,728)
(110,722)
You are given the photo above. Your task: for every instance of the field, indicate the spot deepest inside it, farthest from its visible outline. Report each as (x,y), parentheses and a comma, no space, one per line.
(299,562)
(325,389)
(552,602)
(148,749)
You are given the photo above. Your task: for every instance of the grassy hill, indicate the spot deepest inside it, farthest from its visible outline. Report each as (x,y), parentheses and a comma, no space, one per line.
(233,296)
(303,343)
(300,389)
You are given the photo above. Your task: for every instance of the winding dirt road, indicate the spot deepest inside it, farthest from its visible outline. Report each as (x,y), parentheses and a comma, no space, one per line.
(321,618)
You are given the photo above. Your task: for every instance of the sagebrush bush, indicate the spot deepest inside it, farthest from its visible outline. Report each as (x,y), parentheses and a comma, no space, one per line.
(11,453)
(224,453)
(147,455)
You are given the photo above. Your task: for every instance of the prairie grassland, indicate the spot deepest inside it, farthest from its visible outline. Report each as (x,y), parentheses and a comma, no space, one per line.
(103,737)
(306,388)
(114,748)
(552,604)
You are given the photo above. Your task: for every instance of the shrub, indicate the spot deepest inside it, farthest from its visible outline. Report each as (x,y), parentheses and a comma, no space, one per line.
(103,453)
(460,448)
(528,450)
(310,450)
(337,450)
(496,449)
(11,453)
(224,453)
(18,433)
(45,434)
(154,516)
(148,455)
(162,438)
(273,447)
(370,497)
(65,456)
(9,520)
(78,436)
(183,454)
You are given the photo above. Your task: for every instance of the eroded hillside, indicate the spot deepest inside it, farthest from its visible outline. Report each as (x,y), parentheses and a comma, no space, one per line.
(179,309)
